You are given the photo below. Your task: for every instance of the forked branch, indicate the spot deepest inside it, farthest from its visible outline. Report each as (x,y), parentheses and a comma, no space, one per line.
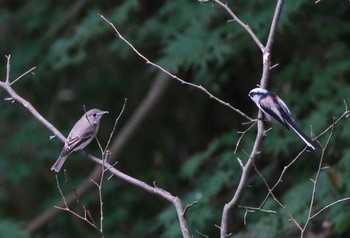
(266,58)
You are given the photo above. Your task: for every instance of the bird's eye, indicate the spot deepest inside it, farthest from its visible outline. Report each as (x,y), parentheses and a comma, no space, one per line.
(94,115)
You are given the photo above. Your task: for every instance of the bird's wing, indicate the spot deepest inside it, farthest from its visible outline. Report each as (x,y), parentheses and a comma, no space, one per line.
(268,106)
(77,142)
(289,122)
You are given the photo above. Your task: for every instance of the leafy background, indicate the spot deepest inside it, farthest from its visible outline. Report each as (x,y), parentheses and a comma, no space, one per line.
(187,142)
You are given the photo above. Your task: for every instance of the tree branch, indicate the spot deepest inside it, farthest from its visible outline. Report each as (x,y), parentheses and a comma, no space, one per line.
(6,85)
(261,131)
(151,189)
(240,22)
(200,87)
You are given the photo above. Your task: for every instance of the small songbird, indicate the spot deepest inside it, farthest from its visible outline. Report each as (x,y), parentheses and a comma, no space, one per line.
(80,136)
(275,109)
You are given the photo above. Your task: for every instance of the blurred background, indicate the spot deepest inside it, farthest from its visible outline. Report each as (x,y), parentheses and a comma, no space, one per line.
(184,141)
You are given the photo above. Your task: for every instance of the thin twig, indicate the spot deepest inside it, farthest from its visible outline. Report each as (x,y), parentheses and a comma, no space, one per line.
(240,22)
(151,189)
(67,209)
(345,114)
(25,73)
(105,155)
(284,207)
(59,189)
(270,190)
(242,135)
(8,57)
(73,188)
(201,234)
(104,158)
(7,87)
(258,209)
(279,180)
(328,206)
(115,125)
(188,206)
(315,181)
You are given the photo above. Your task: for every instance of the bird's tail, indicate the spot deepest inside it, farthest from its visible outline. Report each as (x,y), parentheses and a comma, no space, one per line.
(310,143)
(58,164)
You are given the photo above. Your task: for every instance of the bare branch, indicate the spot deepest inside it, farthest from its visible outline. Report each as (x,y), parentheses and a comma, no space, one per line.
(151,189)
(245,172)
(8,67)
(240,22)
(201,234)
(200,87)
(270,190)
(104,158)
(279,180)
(115,125)
(261,132)
(25,73)
(268,48)
(328,206)
(242,135)
(345,114)
(258,209)
(188,207)
(7,87)
(315,180)
(273,27)
(67,209)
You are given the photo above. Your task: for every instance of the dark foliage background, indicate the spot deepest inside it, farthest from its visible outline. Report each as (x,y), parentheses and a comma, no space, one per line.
(187,142)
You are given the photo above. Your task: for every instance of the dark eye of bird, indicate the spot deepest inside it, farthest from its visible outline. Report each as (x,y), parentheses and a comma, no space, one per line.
(94,115)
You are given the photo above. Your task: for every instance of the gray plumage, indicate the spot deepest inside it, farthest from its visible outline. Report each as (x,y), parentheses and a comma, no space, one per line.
(80,136)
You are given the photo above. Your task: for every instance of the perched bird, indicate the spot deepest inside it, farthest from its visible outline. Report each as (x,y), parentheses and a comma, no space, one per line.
(275,109)
(80,136)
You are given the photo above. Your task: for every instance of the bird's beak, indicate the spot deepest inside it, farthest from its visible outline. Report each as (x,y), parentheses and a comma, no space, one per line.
(104,112)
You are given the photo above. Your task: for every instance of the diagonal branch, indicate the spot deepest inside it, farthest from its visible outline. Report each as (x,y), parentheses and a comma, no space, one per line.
(200,87)
(6,85)
(240,22)
(151,189)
